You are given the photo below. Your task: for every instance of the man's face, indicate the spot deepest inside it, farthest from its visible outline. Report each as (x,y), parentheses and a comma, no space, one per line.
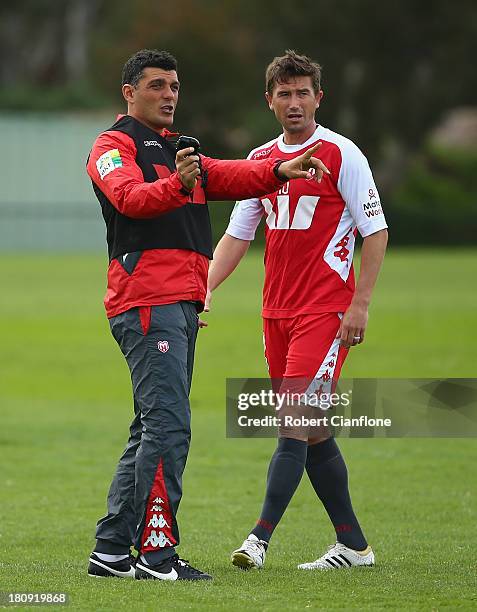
(154,99)
(294,104)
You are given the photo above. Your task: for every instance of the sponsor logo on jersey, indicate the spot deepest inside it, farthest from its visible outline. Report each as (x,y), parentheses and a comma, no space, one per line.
(278,215)
(372,209)
(108,162)
(371,203)
(263,153)
(152,143)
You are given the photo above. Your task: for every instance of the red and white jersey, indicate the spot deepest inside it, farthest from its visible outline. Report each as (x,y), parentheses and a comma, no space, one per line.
(310,227)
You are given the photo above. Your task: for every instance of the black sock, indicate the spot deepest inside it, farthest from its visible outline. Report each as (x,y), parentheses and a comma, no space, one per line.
(327,472)
(284,475)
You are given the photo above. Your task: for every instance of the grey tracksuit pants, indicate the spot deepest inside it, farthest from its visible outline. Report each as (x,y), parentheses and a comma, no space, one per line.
(146,490)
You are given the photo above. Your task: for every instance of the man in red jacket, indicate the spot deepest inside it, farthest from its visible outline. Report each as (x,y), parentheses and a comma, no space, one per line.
(154,204)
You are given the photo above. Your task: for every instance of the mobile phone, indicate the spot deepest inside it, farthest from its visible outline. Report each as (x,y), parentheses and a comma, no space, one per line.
(185,142)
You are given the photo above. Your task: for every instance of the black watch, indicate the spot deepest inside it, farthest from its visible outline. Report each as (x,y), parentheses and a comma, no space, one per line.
(276,168)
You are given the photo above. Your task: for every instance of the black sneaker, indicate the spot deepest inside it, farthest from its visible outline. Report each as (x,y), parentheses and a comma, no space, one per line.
(170,569)
(108,569)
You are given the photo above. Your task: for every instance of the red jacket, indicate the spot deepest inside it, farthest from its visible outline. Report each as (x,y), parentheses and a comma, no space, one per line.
(165,276)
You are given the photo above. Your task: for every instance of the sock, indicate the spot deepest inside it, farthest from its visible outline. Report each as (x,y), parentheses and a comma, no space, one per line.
(284,475)
(110,558)
(327,472)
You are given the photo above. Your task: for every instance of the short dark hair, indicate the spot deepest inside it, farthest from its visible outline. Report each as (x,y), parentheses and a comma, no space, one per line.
(290,65)
(146,58)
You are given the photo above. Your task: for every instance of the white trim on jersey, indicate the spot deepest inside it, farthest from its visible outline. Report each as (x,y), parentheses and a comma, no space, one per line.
(355,184)
(267,145)
(340,249)
(294,148)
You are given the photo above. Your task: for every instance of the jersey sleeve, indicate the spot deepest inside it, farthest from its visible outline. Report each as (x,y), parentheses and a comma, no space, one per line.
(237,179)
(112,168)
(358,189)
(244,219)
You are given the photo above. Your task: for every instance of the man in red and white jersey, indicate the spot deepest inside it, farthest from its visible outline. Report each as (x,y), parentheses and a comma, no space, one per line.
(312,310)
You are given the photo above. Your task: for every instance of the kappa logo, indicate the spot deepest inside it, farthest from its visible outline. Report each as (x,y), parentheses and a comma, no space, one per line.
(152,143)
(163,346)
(158,521)
(342,252)
(156,540)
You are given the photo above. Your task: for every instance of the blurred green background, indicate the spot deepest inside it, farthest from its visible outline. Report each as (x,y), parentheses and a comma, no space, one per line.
(398,79)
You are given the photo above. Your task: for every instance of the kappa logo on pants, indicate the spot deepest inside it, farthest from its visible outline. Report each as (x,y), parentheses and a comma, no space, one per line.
(156,540)
(163,346)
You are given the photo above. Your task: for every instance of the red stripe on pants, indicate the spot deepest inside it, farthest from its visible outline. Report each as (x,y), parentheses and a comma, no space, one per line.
(158,526)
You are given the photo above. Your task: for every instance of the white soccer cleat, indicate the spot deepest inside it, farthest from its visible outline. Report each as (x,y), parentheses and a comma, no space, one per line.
(339,556)
(251,554)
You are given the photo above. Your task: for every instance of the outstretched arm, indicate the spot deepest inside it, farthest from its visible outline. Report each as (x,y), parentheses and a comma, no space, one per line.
(239,179)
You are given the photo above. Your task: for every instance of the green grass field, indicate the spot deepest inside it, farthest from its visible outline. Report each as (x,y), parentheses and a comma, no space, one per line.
(65,407)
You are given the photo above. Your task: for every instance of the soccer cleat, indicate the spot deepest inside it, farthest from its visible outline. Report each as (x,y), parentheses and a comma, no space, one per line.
(107,569)
(170,569)
(251,554)
(340,556)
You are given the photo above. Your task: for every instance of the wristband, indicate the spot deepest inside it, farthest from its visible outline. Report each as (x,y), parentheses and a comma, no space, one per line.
(276,171)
